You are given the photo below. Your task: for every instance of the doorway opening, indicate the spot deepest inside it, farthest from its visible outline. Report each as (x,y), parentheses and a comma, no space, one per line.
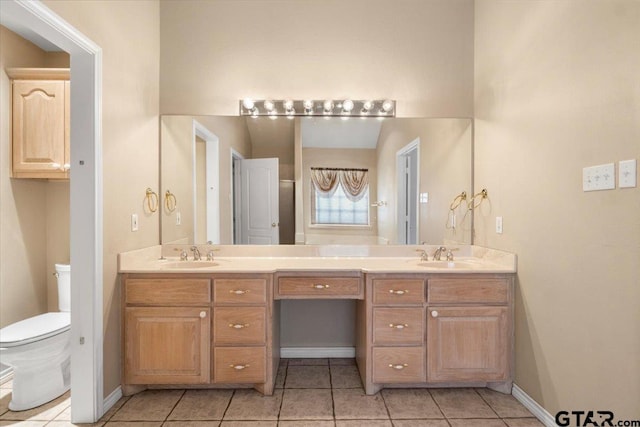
(206,184)
(408,178)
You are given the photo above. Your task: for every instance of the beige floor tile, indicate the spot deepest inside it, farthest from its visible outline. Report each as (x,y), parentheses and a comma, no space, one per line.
(251,405)
(470,422)
(410,403)
(282,372)
(523,422)
(420,423)
(46,412)
(353,404)
(5,398)
(462,403)
(249,424)
(115,408)
(504,404)
(345,376)
(306,423)
(133,424)
(309,362)
(64,423)
(7,384)
(307,377)
(307,404)
(23,423)
(201,405)
(341,361)
(363,423)
(183,423)
(150,405)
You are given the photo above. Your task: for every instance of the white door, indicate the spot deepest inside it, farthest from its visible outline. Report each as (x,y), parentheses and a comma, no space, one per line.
(408,171)
(260,213)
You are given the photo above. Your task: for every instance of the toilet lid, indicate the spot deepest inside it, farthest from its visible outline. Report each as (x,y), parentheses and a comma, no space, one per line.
(35,329)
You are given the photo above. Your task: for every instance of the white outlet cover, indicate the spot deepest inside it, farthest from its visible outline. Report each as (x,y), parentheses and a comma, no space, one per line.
(499,224)
(178,218)
(627,171)
(134,222)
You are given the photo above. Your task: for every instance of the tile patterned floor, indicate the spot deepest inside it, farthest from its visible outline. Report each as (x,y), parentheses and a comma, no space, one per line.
(309,393)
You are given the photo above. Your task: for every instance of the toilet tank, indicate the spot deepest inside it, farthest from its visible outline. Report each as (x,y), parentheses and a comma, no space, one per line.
(63,273)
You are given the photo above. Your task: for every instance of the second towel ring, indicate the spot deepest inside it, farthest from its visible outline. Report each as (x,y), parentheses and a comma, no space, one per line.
(170,202)
(152,200)
(458,201)
(477,199)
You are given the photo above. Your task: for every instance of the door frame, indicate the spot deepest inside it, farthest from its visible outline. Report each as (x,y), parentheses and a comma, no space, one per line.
(235,201)
(212,144)
(401,155)
(86,206)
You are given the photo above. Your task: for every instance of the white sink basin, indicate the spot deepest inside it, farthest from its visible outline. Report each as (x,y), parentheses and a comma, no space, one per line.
(190,264)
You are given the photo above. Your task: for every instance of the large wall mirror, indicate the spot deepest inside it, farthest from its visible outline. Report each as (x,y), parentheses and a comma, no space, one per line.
(217,186)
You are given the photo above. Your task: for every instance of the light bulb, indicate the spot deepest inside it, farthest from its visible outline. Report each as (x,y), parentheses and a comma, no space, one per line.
(387,105)
(308,104)
(254,112)
(347,105)
(288,105)
(328,106)
(248,103)
(366,106)
(269,105)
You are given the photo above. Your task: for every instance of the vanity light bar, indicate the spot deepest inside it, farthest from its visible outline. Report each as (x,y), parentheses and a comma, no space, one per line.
(317,108)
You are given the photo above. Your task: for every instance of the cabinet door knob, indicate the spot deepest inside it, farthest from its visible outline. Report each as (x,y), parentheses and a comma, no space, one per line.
(203,314)
(398,325)
(238,325)
(399,366)
(434,313)
(398,291)
(320,286)
(239,291)
(239,367)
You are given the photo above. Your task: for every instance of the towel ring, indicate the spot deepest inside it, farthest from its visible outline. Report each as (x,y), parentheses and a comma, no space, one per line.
(458,201)
(170,201)
(477,199)
(152,200)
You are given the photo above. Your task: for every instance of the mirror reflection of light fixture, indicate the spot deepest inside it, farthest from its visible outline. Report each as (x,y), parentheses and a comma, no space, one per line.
(327,108)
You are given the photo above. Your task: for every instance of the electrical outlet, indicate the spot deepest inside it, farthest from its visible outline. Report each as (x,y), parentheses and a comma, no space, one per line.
(601,177)
(499,224)
(178,218)
(627,173)
(134,222)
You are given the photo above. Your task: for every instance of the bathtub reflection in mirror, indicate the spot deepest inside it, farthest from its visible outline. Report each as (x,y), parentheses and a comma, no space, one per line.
(416,167)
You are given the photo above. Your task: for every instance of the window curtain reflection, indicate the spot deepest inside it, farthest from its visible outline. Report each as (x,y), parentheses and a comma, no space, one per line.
(353,181)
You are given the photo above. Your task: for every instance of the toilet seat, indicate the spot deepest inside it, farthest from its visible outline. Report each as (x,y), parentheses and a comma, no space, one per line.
(34,329)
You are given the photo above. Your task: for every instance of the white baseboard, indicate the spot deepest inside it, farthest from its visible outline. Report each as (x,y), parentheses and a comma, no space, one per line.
(538,411)
(6,374)
(316,352)
(112,399)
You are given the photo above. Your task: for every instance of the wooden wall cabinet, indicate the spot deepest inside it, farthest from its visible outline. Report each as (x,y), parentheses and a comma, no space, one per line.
(40,122)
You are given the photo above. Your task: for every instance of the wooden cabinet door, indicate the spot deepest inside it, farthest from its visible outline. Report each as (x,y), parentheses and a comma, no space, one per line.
(40,129)
(167,345)
(467,344)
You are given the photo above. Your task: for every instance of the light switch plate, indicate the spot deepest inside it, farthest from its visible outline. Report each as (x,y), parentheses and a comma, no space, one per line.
(600,177)
(499,224)
(627,177)
(178,218)
(134,222)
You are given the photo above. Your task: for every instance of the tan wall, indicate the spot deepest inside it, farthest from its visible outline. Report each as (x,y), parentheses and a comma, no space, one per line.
(556,89)
(419,52)
(338,158)
(129,35)
(35,213)
(445,171)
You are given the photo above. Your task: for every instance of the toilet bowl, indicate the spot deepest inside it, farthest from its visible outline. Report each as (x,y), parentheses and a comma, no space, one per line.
(39,351)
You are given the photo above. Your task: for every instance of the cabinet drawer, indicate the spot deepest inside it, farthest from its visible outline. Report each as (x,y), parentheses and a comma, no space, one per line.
(398,365)
(398,326)
(168,291)
(319,287)
(490,291)
(239,364)
(239,291)
(239,325)
(398,291)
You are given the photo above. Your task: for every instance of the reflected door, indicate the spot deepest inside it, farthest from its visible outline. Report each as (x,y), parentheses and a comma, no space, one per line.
(259,202)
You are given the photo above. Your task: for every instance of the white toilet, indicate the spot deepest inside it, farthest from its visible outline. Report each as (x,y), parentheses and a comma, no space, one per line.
(39,351)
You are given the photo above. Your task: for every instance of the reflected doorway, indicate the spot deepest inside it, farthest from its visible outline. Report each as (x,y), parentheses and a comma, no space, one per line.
(408,176)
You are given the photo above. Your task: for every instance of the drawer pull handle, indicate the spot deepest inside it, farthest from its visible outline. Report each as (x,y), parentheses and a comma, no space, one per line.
(203,314)
(238,325)
(320,286)
(398,292)
(239,291)
(398,367)
(434,313)
(239,367)
(398,325)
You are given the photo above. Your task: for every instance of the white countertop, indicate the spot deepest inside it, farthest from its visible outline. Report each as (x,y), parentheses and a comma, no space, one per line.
(271,259)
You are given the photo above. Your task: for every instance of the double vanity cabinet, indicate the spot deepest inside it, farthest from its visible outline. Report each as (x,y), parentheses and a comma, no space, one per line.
(414,328)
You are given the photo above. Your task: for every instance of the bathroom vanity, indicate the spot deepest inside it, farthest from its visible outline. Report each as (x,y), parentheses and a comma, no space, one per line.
(216,324)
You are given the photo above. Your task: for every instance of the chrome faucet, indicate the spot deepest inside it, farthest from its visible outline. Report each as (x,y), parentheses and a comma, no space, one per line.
(423,255)
(438,253)
(196,253)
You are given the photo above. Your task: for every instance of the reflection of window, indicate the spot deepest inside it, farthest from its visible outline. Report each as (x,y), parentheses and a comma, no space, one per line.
(339,196)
